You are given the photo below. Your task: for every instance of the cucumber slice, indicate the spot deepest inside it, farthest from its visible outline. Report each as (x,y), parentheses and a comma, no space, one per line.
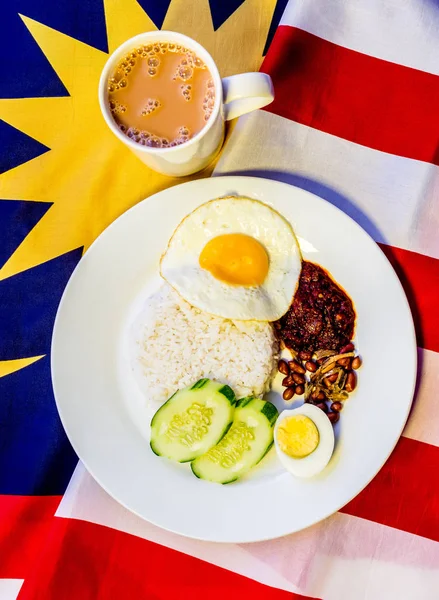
(192,420)
(248,440)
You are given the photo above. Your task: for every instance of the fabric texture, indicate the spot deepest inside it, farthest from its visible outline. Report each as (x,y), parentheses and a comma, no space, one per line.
(355,122)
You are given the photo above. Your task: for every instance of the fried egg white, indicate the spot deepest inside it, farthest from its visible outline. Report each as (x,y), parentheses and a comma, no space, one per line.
(236,258)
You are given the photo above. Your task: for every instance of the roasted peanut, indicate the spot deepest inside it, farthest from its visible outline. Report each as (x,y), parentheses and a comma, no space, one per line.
(344,362)
(300,389)
(321,396)
(322,406)
(348,348)
(351,382)
(299,379)
(310,366)
(296,367)
(288,381)
(333,416)
(288,393)
(282,367)
(305,355)
(336,406)
(356,362)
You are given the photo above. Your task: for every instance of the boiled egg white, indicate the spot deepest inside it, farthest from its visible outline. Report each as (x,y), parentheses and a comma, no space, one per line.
(304,440)
(236,258)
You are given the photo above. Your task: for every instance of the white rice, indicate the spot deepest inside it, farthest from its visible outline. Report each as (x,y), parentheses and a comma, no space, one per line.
(177,344)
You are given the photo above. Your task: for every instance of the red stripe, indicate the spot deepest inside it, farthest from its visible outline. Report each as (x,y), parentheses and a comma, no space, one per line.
(419,275)
(87,561)
(24,522)
(405,493)
(367,100)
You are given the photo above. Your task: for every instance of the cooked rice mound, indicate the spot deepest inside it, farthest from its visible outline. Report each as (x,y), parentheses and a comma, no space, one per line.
(177,344)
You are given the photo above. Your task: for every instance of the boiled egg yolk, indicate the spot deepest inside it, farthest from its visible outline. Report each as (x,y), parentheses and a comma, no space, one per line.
(235,258)
(298,436)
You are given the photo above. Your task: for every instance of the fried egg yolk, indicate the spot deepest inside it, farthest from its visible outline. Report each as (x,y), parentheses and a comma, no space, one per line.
(235,258)
(298,436)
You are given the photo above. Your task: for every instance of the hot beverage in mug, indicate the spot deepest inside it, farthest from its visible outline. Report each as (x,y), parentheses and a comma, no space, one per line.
(160,95)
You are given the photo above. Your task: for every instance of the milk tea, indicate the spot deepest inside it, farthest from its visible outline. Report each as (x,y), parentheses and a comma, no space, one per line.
(161,95)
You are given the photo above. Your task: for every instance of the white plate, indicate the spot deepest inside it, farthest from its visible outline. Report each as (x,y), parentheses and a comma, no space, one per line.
(103,412)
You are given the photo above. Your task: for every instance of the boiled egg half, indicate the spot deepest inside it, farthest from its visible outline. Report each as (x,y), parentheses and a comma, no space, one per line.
(304,440)
(236,258)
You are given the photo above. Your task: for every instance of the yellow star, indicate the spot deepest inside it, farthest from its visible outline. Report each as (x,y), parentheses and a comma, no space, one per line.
(10,366)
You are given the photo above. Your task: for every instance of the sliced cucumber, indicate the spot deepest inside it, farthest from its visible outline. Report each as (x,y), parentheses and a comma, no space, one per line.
(248,440)
(192,420)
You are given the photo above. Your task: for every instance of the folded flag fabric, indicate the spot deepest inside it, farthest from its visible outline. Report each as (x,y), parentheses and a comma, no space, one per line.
(355,122)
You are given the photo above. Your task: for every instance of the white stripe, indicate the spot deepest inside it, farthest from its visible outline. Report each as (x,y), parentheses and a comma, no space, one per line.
(10,588)
(348,558)
(423,423)
(342,558)
(364,579)
(394,199)
(402,31)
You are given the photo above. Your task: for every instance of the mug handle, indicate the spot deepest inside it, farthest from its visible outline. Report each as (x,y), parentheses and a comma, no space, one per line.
(246,92)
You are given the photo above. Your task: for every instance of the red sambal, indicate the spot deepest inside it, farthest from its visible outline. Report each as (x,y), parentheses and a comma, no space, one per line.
(322,315)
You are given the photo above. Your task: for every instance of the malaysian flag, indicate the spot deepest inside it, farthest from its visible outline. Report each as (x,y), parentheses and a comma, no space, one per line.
(355,121)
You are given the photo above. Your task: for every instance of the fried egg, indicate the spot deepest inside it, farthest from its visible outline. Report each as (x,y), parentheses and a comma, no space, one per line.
(236,258)
(304,440)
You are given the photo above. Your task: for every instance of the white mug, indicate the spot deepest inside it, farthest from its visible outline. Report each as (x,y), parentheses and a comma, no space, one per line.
(234,96)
